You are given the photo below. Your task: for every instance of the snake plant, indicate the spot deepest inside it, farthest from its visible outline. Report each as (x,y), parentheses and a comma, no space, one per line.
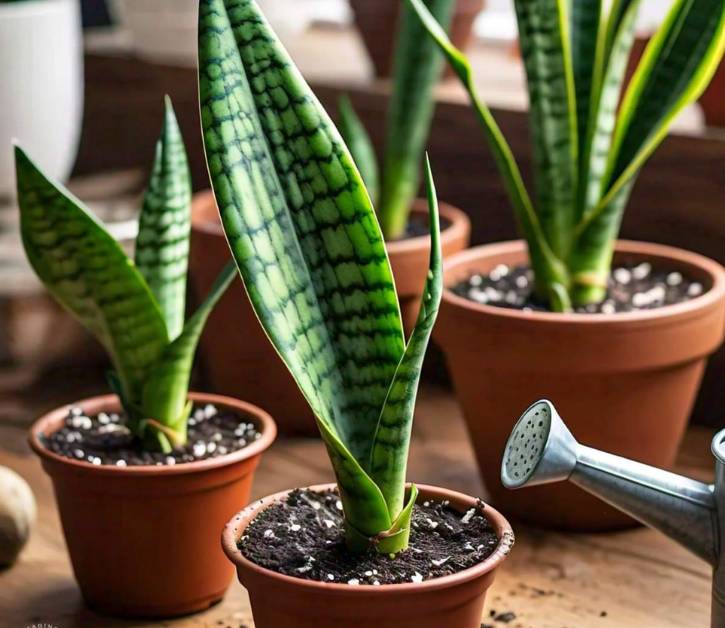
(417,68)
(588,148)
(135,308)
(308,246)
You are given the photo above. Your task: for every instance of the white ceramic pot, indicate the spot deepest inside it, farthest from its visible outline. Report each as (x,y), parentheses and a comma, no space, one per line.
(166,30)
(41,73)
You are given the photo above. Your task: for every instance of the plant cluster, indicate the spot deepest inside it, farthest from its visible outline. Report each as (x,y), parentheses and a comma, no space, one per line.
(417,69)
(588,147)
(305,237)
(135,308)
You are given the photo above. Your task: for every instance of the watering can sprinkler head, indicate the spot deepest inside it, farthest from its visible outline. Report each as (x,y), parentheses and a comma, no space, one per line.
(541,450)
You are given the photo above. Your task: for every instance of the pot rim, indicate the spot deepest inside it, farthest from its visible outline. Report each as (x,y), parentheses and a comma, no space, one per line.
(715,294)
(234,529)
(262,418)
(459,223)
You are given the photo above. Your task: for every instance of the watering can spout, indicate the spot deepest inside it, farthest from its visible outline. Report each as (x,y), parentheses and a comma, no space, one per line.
(542,450)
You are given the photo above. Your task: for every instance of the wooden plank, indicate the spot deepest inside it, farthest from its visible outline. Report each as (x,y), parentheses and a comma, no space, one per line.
(624,580)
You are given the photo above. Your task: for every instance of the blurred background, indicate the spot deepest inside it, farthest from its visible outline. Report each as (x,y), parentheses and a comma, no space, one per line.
(83,82)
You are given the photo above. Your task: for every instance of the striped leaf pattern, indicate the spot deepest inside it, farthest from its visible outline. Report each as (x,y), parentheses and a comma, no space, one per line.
(162,244)
(392,440)
(417,69)
(546,50)
(304,235)
(86,270)
(621,24)
(585,35)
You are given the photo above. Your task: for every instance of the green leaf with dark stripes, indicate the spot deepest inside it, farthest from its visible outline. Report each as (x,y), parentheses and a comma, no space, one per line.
(165,393)
(615,50)
(389,456)
(162,244)
(549,269)
(361,147)
(546,50)
(303,232)
(586,33)
(87,271)
(417,69)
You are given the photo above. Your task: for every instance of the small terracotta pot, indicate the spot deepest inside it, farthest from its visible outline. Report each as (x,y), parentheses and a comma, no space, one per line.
(624,383)
(237,356)
(377,21)
(409,258)
(143,540)
(280,601)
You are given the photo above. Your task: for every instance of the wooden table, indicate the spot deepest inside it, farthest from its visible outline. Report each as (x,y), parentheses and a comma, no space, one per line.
(632,579)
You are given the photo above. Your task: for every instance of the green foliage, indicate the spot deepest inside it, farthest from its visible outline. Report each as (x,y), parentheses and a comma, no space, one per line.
(136,310)
(417,69)
(303,232)
(588,149)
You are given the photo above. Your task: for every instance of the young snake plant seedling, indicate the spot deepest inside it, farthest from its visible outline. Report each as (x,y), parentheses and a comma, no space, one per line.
(588,148)
(135,308)
(303,232)
(418,66)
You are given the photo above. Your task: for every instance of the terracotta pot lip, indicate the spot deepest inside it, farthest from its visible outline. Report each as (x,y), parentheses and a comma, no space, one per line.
(236,526)
(487,251)
(262,418)
(458,227)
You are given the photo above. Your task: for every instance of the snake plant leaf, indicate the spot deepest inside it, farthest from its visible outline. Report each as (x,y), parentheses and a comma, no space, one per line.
(390,452)
(550,269)
(546,51)
(676,68)
(361,147)
(586,35)
(162,244)
(88,272)
(417,69)
(616,50)
(303,232)
(165,393)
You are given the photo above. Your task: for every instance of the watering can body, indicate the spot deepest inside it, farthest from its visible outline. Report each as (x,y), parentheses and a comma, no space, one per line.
(541,450)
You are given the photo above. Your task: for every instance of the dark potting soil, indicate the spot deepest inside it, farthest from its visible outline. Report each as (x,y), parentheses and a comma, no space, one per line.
(632,287)
(105,439)
(303,537)
(418,226)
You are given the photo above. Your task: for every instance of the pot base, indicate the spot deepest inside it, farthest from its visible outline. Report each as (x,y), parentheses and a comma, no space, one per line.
(111,609)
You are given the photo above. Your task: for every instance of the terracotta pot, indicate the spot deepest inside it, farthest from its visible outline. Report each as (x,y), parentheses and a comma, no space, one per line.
(237,356)
(624,383)
(409,258)
(143,540)
(377,21)
(280,601)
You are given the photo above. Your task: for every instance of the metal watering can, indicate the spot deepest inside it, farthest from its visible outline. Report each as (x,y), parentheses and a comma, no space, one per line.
(541,450)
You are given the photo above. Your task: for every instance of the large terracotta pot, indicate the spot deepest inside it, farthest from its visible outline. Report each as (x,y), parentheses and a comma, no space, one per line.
(280,601)
(409,258)
(377,21)
(144,541)
(624,383)
(237,356)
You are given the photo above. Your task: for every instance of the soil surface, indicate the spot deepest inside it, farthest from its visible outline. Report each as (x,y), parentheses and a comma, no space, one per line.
(104,439)
(632,287)
(418,226)
(303,537)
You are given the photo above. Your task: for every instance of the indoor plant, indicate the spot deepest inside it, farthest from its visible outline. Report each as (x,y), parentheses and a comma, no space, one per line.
(114,474)
(587,153)
(257,372)
(377,21)
(302,230)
